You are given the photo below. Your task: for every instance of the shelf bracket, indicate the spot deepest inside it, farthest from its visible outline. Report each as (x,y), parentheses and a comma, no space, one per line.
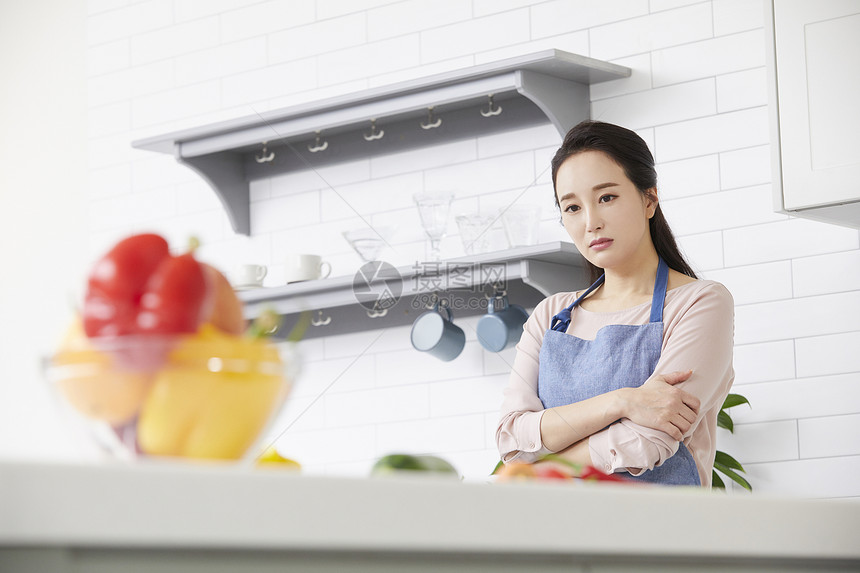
(224,172)
(564,102)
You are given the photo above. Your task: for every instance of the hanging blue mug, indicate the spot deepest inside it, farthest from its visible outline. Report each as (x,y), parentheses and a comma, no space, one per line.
(434,334)
(500,329)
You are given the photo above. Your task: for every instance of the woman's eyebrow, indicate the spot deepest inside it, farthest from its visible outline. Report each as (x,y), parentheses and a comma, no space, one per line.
(597,187)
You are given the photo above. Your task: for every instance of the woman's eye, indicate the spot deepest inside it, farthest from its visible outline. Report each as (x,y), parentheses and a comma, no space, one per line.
(571,209)
(606,198)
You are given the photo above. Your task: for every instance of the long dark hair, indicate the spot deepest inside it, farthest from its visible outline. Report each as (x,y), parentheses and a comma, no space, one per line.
(631,152)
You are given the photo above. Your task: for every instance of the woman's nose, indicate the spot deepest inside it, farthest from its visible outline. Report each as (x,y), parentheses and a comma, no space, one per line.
(593,222)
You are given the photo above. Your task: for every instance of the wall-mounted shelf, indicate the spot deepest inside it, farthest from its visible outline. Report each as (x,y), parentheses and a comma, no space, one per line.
(551,85)
(528,274)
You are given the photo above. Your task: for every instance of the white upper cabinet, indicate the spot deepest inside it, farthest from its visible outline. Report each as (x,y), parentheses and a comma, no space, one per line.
(814,77)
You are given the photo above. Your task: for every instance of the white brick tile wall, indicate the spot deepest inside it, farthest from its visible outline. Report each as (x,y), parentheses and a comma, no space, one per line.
(658,106)
(175,40)
(446,434)
(829,354)
(560,16)
(703,251)
(713,134)
(720,210)
(831,436)
(185,10)
(414,16)
(708,58)
(821,477)
(318,38)
(652,32)
(755,283)
(688,177)
(478,34)
(466,396)
(151,78)
(334,8)
(763,362)
(785,240)
(761,442)
(125,22)
(438,155)
(731,16)
(660,5)
(696,95)
(639,80)
(574,42)
(108,57)
(114,87)
(272,81)
(741,90)
(379,406)
(834,272)
(264,18)
(745,167)
(801,398)
(518,140)
(369,59)
(175,104)
(220,61)
(797,318)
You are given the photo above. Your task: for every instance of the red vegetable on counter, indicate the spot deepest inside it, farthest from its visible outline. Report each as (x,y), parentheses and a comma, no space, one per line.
(138,287)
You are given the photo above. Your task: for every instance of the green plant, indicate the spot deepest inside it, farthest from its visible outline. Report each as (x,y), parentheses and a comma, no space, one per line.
(723,462)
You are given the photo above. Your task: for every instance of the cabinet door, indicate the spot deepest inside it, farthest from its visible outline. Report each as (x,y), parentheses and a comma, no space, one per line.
(818,89)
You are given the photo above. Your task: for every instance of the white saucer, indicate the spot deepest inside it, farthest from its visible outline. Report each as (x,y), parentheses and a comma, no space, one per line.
(248,287)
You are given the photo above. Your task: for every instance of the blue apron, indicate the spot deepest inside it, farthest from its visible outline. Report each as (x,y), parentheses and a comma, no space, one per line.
(573,369)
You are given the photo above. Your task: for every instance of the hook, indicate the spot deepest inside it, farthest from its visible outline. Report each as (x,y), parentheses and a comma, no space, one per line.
(376,313)
(374,132)
(490,111)
(320,321)
(317,146)
(430,123)
(265,156)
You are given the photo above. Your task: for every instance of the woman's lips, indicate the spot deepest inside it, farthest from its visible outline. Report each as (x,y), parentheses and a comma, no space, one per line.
(600,244)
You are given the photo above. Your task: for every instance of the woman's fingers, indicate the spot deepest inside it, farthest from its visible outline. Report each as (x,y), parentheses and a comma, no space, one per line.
(677,377)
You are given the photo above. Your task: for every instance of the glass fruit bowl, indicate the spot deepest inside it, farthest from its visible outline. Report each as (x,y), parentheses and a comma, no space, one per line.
(207,395)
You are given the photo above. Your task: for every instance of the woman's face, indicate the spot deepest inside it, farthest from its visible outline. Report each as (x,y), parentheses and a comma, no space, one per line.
(602,211)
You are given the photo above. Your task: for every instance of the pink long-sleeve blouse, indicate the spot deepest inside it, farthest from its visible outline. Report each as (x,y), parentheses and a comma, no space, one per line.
(698,332)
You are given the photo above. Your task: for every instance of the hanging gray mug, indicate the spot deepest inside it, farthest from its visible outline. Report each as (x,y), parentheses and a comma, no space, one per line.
(498,330)
(434,334)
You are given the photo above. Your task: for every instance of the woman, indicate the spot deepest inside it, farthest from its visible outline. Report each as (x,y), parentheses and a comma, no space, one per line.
(630,374)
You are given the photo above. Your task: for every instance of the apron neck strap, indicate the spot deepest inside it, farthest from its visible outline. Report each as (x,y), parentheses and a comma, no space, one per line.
(561,321)
(659,296)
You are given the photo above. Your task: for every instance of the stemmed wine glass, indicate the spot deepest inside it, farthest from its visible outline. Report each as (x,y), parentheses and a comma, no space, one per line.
(367,242)
(433,209)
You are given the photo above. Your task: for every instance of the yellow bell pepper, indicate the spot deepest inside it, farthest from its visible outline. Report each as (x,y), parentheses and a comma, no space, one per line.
(212,398)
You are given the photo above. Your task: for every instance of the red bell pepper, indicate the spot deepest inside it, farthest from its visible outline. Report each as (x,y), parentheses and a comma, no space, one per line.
(593,474)
(139,288)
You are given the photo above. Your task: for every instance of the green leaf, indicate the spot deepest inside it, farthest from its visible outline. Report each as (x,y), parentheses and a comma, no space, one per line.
(728,461)
(733,400)
(497,468)
(563,461)
(717,483)
(733,476)
(725,421)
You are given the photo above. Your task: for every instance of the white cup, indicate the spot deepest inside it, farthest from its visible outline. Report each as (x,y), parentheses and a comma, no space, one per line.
(305,268)
(249,275)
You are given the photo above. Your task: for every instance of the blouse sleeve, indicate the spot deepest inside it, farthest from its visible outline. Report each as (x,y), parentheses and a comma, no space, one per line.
(699,337)
(518,432)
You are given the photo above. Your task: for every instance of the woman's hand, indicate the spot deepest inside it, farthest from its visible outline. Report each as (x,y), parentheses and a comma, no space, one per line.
(658,404)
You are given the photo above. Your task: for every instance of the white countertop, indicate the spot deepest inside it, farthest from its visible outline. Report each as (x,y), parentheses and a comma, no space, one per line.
(171,505)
